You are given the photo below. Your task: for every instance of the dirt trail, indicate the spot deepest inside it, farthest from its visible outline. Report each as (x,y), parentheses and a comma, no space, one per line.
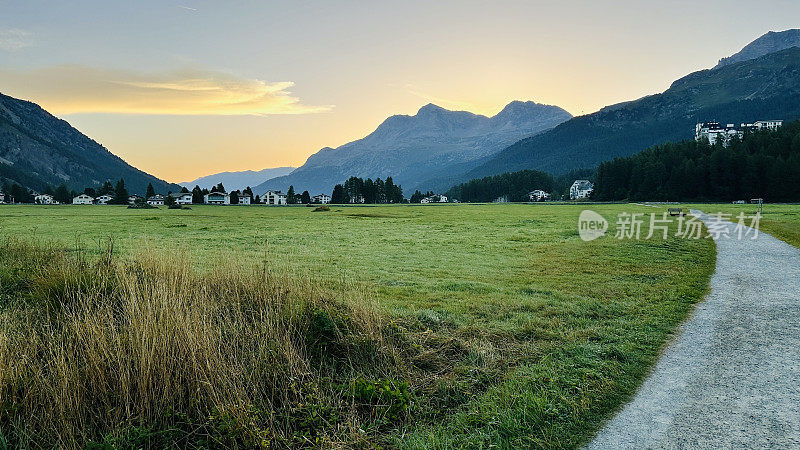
(731,378)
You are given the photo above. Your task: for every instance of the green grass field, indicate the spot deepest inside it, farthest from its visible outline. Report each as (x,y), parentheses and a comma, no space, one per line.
(527,335)
(781,221)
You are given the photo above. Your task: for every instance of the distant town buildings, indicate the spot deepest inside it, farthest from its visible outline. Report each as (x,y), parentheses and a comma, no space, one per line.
(580,189)
(133,198)
(217,198)
(103,199)
(182,198)
(321,198)
(83,199)
(538,195)
(714,132)
(156,200)
(44,199)
(244,199)
(274,198)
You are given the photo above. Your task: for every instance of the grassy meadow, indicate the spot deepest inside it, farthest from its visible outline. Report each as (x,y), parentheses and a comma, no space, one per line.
(781,220)
(409,326)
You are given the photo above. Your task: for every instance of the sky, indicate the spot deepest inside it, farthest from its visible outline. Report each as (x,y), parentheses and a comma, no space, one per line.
(187,88)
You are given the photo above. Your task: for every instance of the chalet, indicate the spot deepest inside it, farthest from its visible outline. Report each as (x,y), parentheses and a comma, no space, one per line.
(244,199)
(580,189)
(182,198)
(82,199)
(538,195)
(217,198)
(44,199)
(2,197)
(274,198)
(321,198)
(425,200)
(156,200)
(103,199)
(133,198)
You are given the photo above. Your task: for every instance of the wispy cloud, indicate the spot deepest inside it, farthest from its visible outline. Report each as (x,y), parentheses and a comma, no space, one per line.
(12,39)
(72,89)
(187,8)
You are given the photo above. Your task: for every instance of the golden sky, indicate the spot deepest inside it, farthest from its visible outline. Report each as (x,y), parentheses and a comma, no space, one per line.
(182,89)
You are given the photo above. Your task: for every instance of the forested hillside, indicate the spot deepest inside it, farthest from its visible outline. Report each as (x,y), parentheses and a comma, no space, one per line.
(515,186)
(760,89)
(763,164)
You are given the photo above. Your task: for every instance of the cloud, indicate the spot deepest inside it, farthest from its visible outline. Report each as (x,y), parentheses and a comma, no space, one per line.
(70,89)
(13,39)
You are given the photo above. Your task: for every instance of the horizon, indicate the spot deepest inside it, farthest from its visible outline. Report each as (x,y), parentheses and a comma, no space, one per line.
(176,89)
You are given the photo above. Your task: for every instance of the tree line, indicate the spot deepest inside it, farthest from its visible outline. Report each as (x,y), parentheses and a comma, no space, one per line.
(763,164)
(358,190)
(515,186)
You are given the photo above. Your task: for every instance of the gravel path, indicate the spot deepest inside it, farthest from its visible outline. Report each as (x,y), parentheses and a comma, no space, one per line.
(731,378)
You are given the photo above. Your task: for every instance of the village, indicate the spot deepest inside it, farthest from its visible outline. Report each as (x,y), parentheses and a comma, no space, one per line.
(580,190)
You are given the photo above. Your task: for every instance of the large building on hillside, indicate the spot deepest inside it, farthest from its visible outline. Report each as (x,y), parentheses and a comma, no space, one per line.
(714,132)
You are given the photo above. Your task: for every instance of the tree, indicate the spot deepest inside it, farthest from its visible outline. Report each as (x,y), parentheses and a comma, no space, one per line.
(184,190)
(290,196)
(220,188)
(338,196)
(248,192)
(90,192)
(305,198)
(234,197)
(169,200)
(62,194)
(106,188)
(197,195)
(120,193)
(417,196)
(150,191)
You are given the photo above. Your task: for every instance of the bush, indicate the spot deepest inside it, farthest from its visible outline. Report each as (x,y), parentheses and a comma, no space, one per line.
(322,208)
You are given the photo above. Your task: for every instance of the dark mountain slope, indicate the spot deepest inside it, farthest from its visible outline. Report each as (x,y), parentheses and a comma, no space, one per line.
(37,149)
(769,43)
(764,88)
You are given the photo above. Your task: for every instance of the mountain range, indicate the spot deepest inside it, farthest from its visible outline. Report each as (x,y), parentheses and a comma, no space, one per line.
(759,88)
(437,148)
(238,180)
(38,149)
(431,144)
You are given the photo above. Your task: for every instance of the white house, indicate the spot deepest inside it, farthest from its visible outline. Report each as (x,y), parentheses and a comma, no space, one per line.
(580,189)
(442,199)
(182,198)
(156,200)
(43,199)
(217,198)
(103,199)
(425,200)
(359,199)
(538,195)
(321,198)
(82,199)
(2,197)
(244,199)
(132,198)
(274,198)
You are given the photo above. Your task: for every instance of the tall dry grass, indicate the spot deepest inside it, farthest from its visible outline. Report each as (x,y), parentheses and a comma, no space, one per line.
(149,352)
